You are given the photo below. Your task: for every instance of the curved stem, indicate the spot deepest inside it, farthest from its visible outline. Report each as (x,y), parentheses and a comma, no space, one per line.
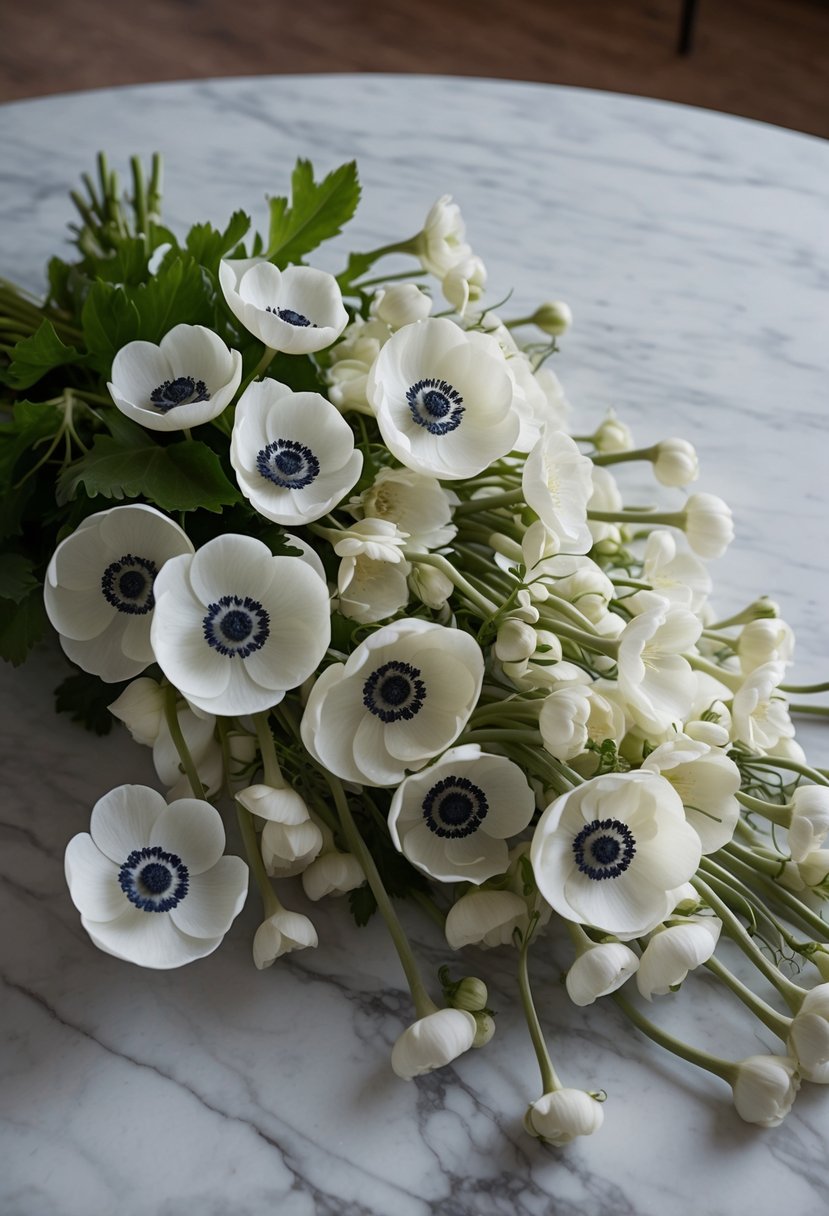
(174,727)
(549,1079)
(508,498)
(719,1067)
(776,1022)
(250,840)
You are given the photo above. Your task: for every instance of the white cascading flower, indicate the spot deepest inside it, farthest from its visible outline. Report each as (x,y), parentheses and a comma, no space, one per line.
(406,693)
(99,590)
(443,399)
(655,679)
(235,627)
(706,781)
(293,453)
(298,310)
(611,852)
(561,1116)
(150,880)
(557,484)
(678,576)
(808,1039)
(485,918)
(759,713)
(420,506)
(809,824)
(282,933)
(674,951)
(184,381)
(432,1042)
(764,1088)
(452,821)
(599,970)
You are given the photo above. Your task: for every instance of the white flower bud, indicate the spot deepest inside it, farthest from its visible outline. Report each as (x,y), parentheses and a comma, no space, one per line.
(332,874)
(280,934)
(808,1038)
(464,283)
(712,733)
(810,820)
(589,588)
(470,994)
(601,969)
(486,1028)
(675,462)
(538,543)
(485,918)
(401,304)
(442,243)
(613,435)
(141,708)
(814,868)
(516,641)
(432,1042)
(287,849)
(768,640)
(708,525)
(270,802)
(563,721)
(765,1089)
(553,317)
(432,587)
(673,952)
(560,1117)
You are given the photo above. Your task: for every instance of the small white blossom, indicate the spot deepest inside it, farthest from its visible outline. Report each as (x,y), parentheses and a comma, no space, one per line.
(442,242)
(708,525)
(557,484)
(706,781)
(370,590)
(679,577)
(613,435)
(599,970)
(380,540)
(654,678)
(332,873)
(760,714)
(767,640)
(401,304)
(675,462)
(560,1117)
(350,362)
(281,933)
(187,380)
(672,952)
(432,1042)
(420,506)
(808,1039)
(485,918)
(765,1089)
(464,283)
(809,824)
(288,848)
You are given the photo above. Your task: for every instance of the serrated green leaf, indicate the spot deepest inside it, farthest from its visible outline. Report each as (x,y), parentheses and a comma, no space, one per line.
(317,211)
(109,320)
(357,265)
(362,904)
(21,626)
(183,476)
(32,423)
(33,357)
(207,246)
(17,579)
(127,264)
(87,699)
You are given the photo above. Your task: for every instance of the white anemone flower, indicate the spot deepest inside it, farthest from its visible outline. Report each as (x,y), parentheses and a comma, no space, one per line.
(406,693)
(401,304)
(332,873)
(557,484)
(809,825)
(188,379)
(611,852)
(655,679)
(706,781)
(442,242)
(558,1118)
(371,590)
(759,713)
(679,577)
(298,310)
(485,918)
(235,627)
(150,880)
(808,1039)
(293,453)
(673,952)
(675,462)
(419,506)
(464,284)
(350,361)
(708,525)
(599,970)
(443,400)
(99,590)
(767,640)
(281,933)
(432,1042)
(452,821)
(765,1088)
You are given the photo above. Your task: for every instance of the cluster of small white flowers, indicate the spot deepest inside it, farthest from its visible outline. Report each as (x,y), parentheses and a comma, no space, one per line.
(539,685)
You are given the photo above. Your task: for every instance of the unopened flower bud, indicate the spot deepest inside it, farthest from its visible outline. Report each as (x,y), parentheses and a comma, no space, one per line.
(433,1041)
(401,304)
(516,641)
(553,317)
(557,1118)
(613,435)
(765,1088)
(486,1028)
(470,993)
(281,934)
(765,640)
(675,462)
(708,525)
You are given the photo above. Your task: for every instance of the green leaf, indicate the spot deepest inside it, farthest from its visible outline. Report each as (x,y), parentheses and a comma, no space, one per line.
(317,211)
(21,626)
(180,477)
(32,423)
(109,320)
(33,357)
(207,246)
(128,264)
(362,904)
(86,699)
(17,579)
(358,264)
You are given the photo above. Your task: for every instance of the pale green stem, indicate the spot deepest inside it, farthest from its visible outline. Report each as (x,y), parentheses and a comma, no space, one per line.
(483,605)
(264,362)
(589,641)
(650,454)
(800,689)
(267,747)
(423,1003)
(508,498)
(729,678)
(719,1067)
(549,1078)
(250,840)
(795,908)
(776,1022)
(789,765)
(174,727)
(774,812)
(821,711)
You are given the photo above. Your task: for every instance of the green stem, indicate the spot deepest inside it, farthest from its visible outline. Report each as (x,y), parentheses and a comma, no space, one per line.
(789,765)
(174,726)
(804,688)
(270,763)
(508,498)
(631,454)
(582,638)
(776,1023)
(549,1078)
(821,711)
(719,1067)
(485,606)
(250,840)
(423,1003)
(794,908)
(774,812)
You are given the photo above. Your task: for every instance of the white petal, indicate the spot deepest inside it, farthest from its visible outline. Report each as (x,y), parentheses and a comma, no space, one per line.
(148,939)
(193,830)
(93,880)
(123,820)
(214,900)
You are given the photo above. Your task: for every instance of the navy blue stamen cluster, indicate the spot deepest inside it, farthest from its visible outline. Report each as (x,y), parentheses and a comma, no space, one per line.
(288,464)
(455,807)
(394,691)
(435,405)
(153,880)
(604,848)
(236,626)
(291,318)
(184,390)
(127,584)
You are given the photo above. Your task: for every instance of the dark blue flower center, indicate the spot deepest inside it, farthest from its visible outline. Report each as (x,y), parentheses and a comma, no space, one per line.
(236,626)
(184,390)
(153,880)
(455,807)
(435,405)
(394,691)
(291,318)
(288,464)
(128,584)
(604,848)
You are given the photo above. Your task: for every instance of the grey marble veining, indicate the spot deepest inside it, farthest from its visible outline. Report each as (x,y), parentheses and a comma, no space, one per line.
(694,251)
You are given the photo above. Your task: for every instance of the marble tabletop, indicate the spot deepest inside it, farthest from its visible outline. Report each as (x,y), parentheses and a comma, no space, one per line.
(694,251)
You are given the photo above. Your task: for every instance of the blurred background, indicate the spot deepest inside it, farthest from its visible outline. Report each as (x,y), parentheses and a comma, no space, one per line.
(765,59)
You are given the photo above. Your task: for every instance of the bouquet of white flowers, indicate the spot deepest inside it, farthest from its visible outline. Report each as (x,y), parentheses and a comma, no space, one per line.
(390,602)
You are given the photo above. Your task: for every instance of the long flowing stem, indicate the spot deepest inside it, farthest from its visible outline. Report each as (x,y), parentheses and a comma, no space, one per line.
(174,726)
(776,1023)
(702,1059)
(549,1078)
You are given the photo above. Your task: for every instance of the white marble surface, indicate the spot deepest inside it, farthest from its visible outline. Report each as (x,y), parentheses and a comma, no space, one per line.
(694,250)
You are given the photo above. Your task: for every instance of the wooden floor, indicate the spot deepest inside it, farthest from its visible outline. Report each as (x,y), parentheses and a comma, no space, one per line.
(766,59)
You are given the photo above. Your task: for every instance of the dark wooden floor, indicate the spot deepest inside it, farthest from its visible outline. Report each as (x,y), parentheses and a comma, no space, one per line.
(766,59)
